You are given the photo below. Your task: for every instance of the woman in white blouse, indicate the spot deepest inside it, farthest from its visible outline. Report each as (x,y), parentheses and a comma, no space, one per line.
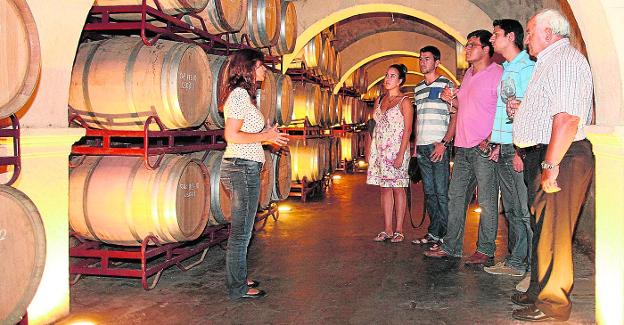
(245,131)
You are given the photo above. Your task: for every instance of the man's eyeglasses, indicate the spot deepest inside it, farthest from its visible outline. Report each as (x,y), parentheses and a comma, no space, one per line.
(469,46)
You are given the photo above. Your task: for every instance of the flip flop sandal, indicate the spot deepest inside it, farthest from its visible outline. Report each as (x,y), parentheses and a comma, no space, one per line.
(382,236)
(397,237)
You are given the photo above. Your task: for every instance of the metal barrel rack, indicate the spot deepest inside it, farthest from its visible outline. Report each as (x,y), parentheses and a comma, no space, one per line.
(170,27)
(147,143)
(14,160)
(144,262)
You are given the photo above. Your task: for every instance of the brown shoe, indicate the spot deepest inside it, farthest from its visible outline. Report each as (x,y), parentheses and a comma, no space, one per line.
(522,299)
(533,314)
(480,258)
(439,253)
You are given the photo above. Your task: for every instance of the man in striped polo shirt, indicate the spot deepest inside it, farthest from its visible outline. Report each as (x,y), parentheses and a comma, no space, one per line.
(435,128)
(549,129)
(507,39)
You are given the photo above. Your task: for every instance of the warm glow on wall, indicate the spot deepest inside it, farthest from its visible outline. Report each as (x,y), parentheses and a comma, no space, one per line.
(340,15)
(609,224)
(378,55)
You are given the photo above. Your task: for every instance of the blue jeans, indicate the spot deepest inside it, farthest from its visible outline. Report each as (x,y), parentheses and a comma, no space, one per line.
(435,179)
(514,193)
(470,170)
(241,177)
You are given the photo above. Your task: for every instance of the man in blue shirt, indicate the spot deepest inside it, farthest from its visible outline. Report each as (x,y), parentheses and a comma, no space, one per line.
(507,39)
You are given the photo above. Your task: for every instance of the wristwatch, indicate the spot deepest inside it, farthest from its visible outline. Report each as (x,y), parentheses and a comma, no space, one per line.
(446,144)
(546,165)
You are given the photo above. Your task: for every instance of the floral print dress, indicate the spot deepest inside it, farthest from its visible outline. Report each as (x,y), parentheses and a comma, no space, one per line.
(385,145)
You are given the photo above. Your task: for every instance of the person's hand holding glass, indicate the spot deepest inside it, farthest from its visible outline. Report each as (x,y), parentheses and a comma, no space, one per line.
(508,94)
(449,95)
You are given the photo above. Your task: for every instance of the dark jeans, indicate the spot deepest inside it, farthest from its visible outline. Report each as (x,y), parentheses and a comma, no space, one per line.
(555,219)
(514,194)
(470,170)
(435,179)
(241,177)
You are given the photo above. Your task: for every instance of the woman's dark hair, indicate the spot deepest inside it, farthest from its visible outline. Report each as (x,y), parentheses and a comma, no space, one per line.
(240,72)
(402,69)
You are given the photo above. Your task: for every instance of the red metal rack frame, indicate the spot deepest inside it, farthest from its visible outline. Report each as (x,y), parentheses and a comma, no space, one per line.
(169,141)
(216,44)
(95,258)
(15,160)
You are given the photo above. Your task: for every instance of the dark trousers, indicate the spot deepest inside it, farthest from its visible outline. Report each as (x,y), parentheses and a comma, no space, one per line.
(435,178)
(555,219)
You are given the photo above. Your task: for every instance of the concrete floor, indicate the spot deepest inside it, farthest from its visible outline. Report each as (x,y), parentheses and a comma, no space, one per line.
(320,266)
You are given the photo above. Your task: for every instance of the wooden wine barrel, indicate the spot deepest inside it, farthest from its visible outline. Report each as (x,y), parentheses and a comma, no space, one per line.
(285,100)
(169,7)
(220,16)
(349,80)
(349,146)
(337,67)
(324,61)
(20,56)
(117,84)
(287,30)
(336,153)
(324,116)
(347,109)
(267,96)
(312,52)
(340,108)
(283,175)
(333,109)
(214,119)
(267,181)
(220,196)
(307,102)
(117,200)
(325,146)
(305,159)
(262,23)
(23,249)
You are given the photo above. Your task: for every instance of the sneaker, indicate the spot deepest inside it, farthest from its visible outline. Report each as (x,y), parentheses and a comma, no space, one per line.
(479,258)
(502,269)
(523,285)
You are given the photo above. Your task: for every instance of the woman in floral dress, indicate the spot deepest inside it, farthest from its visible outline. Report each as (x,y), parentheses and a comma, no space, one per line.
(389,152)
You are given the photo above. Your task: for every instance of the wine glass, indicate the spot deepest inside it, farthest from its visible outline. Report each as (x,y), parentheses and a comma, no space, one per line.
(508,91)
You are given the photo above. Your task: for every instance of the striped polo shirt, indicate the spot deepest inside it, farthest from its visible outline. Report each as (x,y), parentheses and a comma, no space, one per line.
(432,115)
(520,70)
(561,82)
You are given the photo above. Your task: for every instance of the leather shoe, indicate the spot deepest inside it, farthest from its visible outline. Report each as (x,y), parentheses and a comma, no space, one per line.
(522,299)
(259,294)
(253,284)
(479,258)
(532,314)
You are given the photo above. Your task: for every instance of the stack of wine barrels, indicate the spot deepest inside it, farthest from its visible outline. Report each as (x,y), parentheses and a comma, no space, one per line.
(118,83)
(357,81)
(270,23)
(20,57)
(22,235)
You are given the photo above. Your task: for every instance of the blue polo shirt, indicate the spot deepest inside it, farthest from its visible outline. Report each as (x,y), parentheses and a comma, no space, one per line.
(520,69)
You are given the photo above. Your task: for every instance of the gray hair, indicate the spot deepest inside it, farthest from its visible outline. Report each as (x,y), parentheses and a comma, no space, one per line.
(555,20)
